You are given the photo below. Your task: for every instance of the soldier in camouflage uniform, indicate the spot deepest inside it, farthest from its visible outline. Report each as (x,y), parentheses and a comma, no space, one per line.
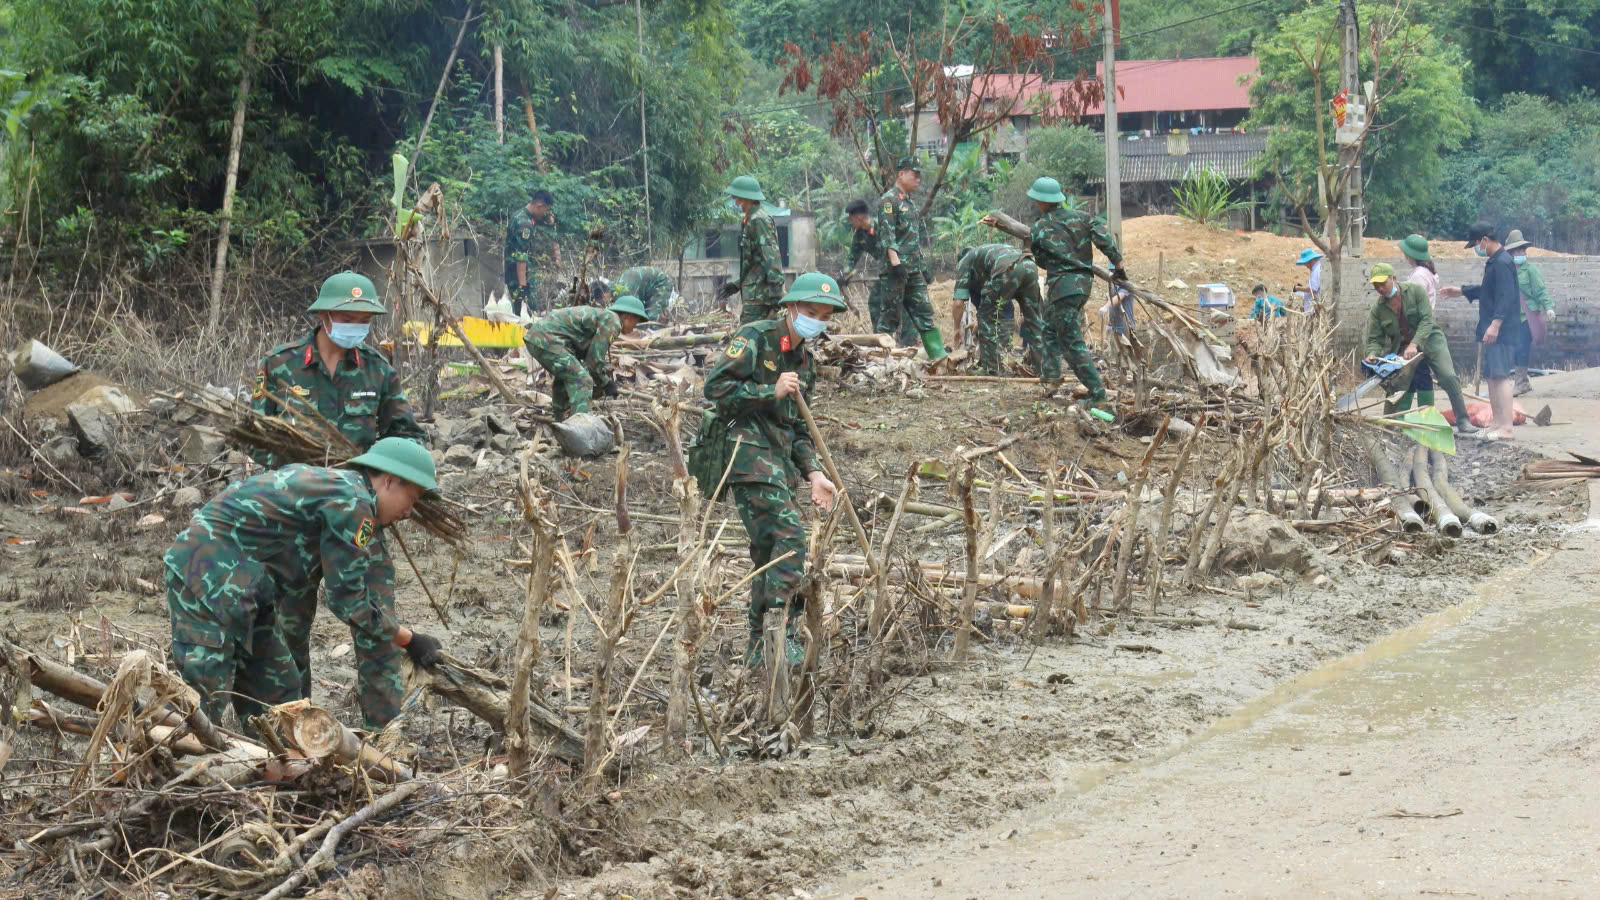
(226,571)
(751,388)
(865,259)
(899,229)
(560,340)
(530,240)
(352,387)
(760,266)
(994,275)
(1063,242)
(653,287)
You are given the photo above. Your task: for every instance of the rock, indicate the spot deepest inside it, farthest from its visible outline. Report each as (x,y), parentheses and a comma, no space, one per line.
(490,461)
(506,443)
(438,457)
(96,428)
(60,450)
(200,445)
(499,422)
(117,502)
(1258,581)
(473,432)
(444,430)
(161,406)
(187,498)
(185,414)
(1177,284)
(109,398)
(459,456)
(1261,542)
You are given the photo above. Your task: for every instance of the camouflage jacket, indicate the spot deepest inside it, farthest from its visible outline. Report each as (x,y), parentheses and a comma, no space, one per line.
(982,263)
(362,398)
(528,241)
(774,444)
(292,522)
(899,227)
(652,286)
(865,246)
(1063,242)
(585,331)
(760,266)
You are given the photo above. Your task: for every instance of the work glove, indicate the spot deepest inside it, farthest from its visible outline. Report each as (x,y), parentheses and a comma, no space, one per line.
(898,275)
(1118,273)
(845,279)
(610,390)
(424,649)
(728,290)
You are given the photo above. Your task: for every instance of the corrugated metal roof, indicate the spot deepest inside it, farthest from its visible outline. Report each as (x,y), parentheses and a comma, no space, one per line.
(1179,85)
(1160,157)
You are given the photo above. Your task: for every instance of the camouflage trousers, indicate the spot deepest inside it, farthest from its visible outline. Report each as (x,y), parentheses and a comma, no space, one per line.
(522,297)
(573,386)
(758,308)
(903,310)
(1020,283)
(225,638)
(380,687)
(1063,333)
(772,521)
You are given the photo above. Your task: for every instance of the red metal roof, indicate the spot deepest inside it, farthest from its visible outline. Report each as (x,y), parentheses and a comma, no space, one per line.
(1178,85)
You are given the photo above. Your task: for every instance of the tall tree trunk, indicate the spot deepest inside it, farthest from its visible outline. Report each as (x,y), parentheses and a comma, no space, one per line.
(444,79)
(235,140)
(533,127)
(499,94)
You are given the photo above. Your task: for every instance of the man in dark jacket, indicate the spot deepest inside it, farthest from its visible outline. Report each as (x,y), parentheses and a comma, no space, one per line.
(1499,304)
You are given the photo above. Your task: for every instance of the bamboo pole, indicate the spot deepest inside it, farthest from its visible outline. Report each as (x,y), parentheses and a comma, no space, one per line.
(517,725)
(969,590)
(832,472)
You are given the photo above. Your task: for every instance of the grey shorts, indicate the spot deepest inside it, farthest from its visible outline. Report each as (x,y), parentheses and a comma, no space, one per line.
(1499,357)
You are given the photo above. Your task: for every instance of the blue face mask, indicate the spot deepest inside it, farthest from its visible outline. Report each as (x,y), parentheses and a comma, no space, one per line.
(1519,260)
(1480,251)
(807,327)
(348,334)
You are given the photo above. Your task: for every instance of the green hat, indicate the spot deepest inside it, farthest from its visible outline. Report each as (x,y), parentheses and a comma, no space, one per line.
(628,303)
(909,162)
(815,287)
(348,292)
(1415,246)
(746,186)
(402,457)
(1047,190)
(1381,273)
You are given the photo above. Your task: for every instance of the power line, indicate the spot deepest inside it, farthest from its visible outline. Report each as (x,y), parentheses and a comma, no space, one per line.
(1523,37)
(1210,15)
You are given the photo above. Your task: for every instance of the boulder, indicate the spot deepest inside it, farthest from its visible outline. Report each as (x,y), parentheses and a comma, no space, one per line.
(187,498)
(506,443)
(95,427)
(200,445)
(499,422)
(460,456)
(474,432)
(109,398)
(444,430)
(60,450)
(1258,541)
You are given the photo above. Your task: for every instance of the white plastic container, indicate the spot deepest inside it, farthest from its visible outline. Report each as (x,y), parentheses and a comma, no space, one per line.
(1214,296)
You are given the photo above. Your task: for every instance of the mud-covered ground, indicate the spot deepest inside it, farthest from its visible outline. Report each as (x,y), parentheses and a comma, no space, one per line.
(948,748)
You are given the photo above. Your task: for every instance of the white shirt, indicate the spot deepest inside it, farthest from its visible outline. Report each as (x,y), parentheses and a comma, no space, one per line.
(1429,281)
(1314,286)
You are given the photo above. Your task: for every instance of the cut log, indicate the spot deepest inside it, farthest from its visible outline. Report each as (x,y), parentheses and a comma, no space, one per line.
(315,732)
(486,697)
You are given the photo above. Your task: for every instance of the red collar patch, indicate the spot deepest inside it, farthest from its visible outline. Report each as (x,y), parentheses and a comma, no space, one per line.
(783,343)
(311,348)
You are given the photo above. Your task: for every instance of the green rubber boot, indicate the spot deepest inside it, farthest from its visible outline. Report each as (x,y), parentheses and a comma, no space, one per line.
(933,342)
(752,653)
(794,649)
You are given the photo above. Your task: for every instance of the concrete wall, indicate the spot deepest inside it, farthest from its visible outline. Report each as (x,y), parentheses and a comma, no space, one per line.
(1574,342)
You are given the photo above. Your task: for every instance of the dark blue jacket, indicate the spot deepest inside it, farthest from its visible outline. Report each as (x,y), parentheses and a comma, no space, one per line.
(1498,295)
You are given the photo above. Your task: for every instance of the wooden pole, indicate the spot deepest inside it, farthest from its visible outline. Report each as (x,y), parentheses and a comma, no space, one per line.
(611,626)
(499,94)
(838,481)
(444,79)
(969,591)
(686,648)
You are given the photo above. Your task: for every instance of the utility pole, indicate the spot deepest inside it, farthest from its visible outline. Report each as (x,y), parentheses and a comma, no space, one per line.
(644,140)
(1113,166)
(1352,216)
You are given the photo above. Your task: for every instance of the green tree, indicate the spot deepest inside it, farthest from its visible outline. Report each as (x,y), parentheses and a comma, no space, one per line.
(1422,111)
(1071,154)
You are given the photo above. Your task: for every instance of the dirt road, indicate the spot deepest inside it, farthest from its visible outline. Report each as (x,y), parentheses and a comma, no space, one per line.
(1456,757)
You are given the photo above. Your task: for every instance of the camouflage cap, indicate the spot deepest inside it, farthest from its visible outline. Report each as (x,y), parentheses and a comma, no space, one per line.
(348,292)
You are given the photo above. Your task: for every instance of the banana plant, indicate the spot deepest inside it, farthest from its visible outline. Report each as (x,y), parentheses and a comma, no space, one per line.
(1425,425)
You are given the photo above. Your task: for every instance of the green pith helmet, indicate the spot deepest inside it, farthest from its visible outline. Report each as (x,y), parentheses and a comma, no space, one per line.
(348,292)
(402,457)
(1415,246)
(747,187)
(815,287)
(1047,190)
(628,303)
(909,162)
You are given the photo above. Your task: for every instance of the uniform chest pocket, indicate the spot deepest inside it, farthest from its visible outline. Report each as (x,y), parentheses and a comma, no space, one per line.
(359,421)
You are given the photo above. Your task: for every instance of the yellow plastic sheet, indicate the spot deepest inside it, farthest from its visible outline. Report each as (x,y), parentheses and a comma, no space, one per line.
(481,332)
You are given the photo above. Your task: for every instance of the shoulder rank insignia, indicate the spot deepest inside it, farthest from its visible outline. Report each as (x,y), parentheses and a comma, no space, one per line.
(364,532)
(737,348)
(261,385)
